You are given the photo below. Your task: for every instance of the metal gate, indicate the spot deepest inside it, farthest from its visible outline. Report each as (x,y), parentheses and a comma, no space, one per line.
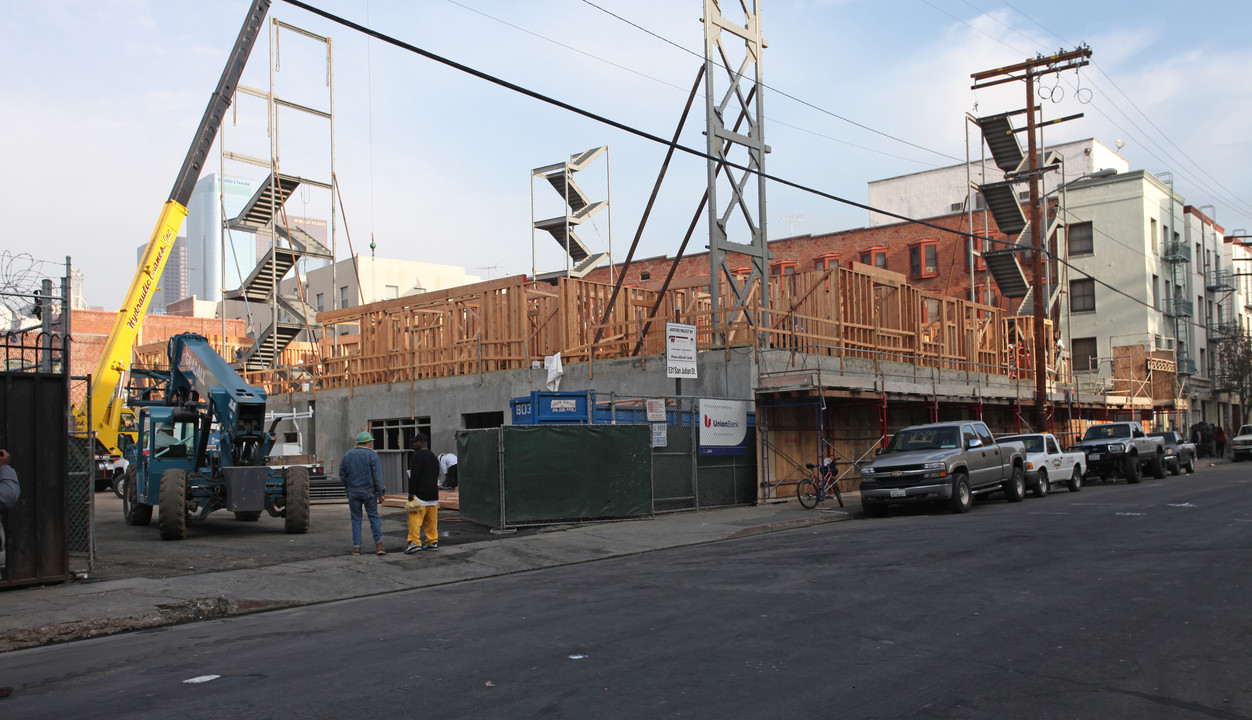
(682,478)
(33,418)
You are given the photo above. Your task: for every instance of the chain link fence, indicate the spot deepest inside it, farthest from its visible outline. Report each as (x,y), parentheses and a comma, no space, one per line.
(684,478)
(80,487)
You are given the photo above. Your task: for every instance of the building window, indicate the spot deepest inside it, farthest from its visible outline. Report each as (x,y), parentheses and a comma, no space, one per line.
(783,267)
(924,259)
(343,297)
(741,272)
(986,295)
(1152,236)
(1081,239)
(1082,295)
(391,292)
(827,261)
(876,256)
(320,303)
(396,435)
(1084,354)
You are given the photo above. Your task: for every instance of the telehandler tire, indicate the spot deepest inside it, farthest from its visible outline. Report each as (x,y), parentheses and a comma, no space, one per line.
(173,517)
(296,512)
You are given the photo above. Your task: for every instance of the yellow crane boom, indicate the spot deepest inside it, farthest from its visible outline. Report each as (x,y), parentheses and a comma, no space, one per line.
(106,404)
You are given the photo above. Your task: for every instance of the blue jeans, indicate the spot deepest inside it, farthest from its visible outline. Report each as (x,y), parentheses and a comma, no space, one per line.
(371,508)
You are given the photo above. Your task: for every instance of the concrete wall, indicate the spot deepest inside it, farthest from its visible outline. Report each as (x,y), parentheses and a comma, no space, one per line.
(341,414)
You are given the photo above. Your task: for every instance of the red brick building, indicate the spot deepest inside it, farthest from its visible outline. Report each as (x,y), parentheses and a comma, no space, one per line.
(929,258)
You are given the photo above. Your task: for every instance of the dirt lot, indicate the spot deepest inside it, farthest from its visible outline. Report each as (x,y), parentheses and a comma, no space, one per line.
(222,543)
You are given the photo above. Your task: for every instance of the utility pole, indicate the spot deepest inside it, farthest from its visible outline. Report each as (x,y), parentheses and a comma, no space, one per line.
(1029,71)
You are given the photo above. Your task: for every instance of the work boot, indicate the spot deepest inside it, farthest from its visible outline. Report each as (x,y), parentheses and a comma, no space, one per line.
(380,549)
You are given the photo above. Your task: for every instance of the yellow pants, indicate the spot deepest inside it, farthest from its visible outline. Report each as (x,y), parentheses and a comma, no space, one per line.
(425,518)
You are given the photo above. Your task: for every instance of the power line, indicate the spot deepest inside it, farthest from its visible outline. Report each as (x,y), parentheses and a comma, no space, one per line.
(661,141)
(776,90)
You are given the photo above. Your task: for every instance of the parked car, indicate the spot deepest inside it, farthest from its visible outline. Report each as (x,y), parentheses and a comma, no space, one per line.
(943,462)
(1122,449)
(1047,464)
(1179,453)
(1241,444)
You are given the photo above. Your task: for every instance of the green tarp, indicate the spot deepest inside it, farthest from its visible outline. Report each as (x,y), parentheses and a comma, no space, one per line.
(555,473)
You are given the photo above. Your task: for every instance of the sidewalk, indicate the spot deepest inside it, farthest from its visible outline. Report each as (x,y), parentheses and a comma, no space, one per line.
(60,613)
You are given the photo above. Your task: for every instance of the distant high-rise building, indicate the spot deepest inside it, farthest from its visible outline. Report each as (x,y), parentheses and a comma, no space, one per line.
(205,216)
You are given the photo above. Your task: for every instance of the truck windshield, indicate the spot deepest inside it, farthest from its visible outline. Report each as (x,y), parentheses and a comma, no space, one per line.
(1245,430)
(1033,443)
(1103,432)
(925,439)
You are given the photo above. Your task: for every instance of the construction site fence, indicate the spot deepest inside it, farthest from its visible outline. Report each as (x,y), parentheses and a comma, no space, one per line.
(680,477)
(52,516)
(512,323)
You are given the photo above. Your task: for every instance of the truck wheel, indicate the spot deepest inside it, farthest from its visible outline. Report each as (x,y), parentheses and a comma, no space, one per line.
(1075,481)
(1158,467)
(962,499)
(173,517)
(296,512)
(135,512)
(119,485)
(1015,488)
(1041,487)
(1190,467)
(248,515)
(1175,467)
(874,509)
(1131,469)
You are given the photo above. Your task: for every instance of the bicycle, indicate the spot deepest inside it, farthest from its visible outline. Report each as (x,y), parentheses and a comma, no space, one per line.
(815,488)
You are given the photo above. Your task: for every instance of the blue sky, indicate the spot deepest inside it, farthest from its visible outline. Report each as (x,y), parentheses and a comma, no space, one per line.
(101,97)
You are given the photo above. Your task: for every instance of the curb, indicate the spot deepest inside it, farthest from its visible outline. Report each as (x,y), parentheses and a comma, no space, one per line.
(828,516)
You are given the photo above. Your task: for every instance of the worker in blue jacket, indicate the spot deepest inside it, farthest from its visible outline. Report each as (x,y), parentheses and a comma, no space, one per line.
(362,475)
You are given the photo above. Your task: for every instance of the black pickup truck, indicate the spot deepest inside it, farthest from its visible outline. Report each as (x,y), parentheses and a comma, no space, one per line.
(1122,449)
(943,462)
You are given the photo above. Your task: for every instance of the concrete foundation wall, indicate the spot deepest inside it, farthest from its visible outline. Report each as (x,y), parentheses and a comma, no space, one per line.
(340,414)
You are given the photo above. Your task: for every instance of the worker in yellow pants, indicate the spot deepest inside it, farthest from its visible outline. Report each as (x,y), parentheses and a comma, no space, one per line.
(423,504)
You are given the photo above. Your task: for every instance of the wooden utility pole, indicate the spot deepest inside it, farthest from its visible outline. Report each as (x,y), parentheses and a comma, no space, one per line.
(1029,71)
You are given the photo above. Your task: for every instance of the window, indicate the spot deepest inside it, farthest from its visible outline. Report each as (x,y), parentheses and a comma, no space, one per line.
(827,261)
(1084,353)
(876,256)
(320,303)
(391,292)
(783,267)
(924,259)
(1156,298)
(1204,363)
(343,297)
(1152,236)
(986,295)
(396,435)
(1081,239)
(1051,444)
(1082,295)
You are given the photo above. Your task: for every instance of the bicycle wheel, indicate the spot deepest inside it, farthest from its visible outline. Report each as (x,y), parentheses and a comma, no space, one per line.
(806,492)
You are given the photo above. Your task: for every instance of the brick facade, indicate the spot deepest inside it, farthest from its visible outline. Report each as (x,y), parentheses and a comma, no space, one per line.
(90,330)
(950,274)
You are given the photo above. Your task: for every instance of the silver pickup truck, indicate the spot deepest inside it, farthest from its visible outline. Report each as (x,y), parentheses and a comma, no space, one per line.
(943,462)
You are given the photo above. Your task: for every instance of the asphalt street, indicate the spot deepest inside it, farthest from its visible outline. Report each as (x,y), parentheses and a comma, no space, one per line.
(1117,601)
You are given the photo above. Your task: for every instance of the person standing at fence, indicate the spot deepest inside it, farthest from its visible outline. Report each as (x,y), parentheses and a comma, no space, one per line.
(10,491)
(447,469)
(423,505)
(361,473)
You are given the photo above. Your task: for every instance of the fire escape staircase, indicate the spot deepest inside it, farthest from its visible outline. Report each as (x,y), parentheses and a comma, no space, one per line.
(1001,198)
(261,286)
(579,209)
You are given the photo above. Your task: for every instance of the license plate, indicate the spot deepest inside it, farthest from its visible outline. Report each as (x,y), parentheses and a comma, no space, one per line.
(1094,456)
(897,493)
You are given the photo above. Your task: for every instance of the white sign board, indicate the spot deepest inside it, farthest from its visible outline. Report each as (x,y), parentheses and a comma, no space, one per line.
(724,427)
(656,409)
(660,438)
(680,350)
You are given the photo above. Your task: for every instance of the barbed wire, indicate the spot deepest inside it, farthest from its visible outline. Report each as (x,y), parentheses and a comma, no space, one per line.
(21,274)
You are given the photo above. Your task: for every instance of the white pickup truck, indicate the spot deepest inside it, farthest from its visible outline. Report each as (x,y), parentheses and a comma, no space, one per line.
(1046,464)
